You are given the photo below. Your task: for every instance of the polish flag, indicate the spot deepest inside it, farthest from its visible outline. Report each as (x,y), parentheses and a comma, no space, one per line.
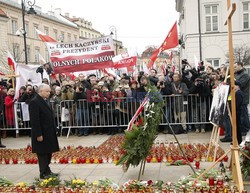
(170,41)
(138,112)
(44,37)
(110,72)
(125,60)
(11,61)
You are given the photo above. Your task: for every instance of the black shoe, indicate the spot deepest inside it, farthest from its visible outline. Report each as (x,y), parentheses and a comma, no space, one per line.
(165,131)
(185,131)
(54,174)
(226,139)
(43,177)
(243,133)
(86,134)
(2,146)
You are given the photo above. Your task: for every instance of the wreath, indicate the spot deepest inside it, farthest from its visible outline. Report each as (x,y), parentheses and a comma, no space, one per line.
(139,140)
(245,162)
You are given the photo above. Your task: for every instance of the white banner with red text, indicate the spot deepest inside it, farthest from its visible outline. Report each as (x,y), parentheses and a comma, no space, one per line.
(81,55)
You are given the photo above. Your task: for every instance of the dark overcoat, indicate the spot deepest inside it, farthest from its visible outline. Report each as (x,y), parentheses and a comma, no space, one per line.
(42,124)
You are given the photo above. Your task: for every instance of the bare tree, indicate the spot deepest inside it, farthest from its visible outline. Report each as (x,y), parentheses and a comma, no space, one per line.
(241,54)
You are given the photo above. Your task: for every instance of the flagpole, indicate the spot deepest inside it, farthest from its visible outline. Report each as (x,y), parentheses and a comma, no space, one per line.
(12,78)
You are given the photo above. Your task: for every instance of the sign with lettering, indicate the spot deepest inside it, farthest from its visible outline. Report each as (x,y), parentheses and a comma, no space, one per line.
(81,55)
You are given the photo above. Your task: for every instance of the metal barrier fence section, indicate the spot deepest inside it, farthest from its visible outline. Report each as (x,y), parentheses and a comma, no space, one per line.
(184,110)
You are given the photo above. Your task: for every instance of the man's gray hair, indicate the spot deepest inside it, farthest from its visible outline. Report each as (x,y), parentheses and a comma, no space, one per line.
(42,86)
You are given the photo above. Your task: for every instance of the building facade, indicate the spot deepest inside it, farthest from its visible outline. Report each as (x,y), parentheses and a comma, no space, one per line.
(203,33)
(163,58)
(50,23)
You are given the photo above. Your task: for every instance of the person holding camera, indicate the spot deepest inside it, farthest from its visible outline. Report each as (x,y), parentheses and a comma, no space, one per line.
(67,92)
(82,109)
(202,91)
(179,90)
(153,79)
(28,94)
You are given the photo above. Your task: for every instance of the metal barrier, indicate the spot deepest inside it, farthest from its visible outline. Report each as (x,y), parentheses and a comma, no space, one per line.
(184,110)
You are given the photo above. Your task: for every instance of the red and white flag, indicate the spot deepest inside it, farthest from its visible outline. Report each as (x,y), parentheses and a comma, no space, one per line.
(138,112)
(11,62)
(170,41)
(127,59)
(111,72)
(44,37)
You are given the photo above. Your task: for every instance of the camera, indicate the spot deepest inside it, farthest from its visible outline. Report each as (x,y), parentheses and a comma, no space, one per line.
(162,83)
(184,61)
(199,82)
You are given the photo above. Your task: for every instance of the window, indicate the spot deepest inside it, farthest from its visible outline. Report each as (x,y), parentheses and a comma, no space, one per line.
(81,33)
(86,34)
(89,35)
(69,37)
(211,12)
(93,36)
(55,34)
(14,26)
(37,52)
(246,15)
(27,29)
(62,37)
(35,32)
(214,62)
(75,36)
(46,30)
(16,52)
(28,53)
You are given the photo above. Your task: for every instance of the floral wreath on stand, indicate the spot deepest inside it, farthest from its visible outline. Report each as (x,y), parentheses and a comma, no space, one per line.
(140,136)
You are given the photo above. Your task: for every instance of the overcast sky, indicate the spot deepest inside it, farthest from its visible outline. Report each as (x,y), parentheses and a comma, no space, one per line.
(139,23)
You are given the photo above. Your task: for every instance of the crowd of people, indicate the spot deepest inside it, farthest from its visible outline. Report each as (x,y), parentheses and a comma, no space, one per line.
(198,81)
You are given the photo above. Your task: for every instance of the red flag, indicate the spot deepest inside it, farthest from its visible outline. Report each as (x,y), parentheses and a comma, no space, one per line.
(170,41)
(11,61)
(138,112)
(153,58)
(44,37)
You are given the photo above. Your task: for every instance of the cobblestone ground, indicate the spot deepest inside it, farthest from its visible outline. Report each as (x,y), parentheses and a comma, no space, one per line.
(91,172)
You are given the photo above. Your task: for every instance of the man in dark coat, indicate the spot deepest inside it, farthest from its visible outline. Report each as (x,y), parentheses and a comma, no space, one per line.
(43,134)
(243,77)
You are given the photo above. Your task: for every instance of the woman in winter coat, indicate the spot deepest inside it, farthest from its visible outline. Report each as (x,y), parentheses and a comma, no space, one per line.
(9,107)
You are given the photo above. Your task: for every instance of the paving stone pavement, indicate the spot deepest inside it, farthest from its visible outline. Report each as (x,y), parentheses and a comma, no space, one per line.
(91,172)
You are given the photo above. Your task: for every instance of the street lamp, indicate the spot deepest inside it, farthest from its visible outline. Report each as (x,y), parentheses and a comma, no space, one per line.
(112,31)
(31,10)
